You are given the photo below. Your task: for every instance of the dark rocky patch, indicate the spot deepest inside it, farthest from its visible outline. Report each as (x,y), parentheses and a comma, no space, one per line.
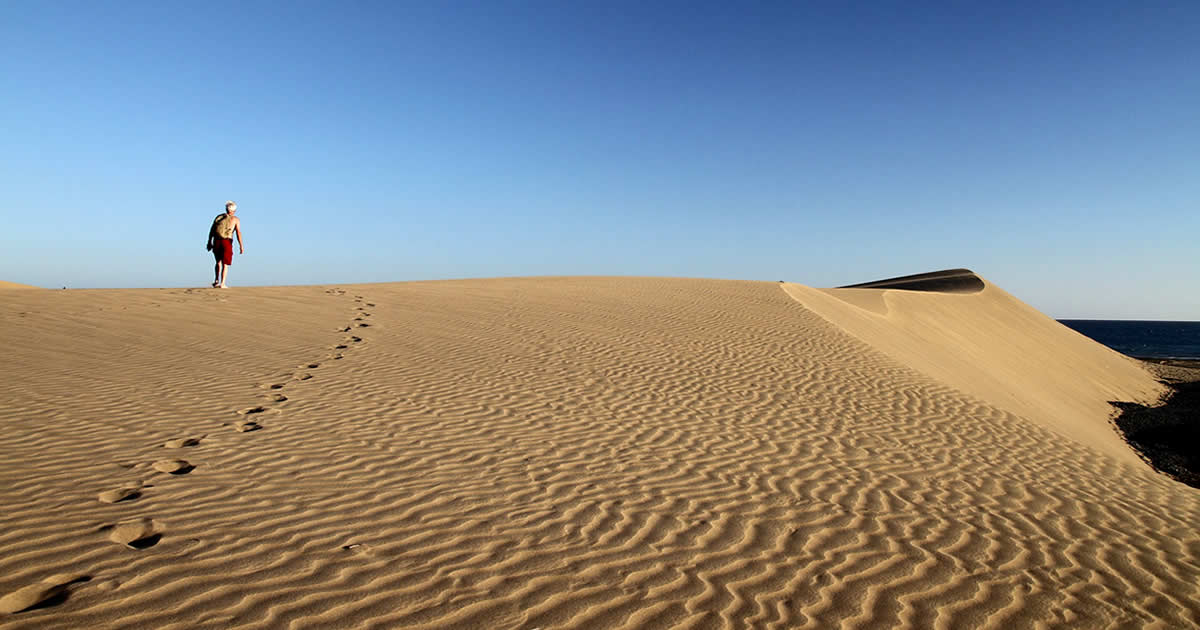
(1167,435)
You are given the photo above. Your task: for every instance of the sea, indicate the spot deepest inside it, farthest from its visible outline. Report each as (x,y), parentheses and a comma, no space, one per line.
(1145,340)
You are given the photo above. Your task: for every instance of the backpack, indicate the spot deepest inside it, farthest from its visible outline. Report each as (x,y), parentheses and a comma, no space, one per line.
(223,226)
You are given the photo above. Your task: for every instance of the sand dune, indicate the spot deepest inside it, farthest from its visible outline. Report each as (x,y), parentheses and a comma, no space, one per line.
(14,285)
(575,453)
(995,348)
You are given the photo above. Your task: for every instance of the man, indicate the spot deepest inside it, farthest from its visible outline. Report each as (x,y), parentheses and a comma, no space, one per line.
(220,242)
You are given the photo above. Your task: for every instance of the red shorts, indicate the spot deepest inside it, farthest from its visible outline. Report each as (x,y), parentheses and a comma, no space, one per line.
(223,250)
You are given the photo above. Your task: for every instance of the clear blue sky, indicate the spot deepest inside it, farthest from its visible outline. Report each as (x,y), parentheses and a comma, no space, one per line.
(1052,147)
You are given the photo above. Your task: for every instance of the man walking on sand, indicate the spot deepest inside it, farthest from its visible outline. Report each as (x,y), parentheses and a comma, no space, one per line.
(220,242)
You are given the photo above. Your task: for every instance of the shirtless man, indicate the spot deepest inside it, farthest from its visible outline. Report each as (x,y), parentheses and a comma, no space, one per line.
(220,242)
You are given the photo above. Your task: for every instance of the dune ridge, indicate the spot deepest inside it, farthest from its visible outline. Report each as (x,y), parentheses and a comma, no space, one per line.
(570,453)
(14,285)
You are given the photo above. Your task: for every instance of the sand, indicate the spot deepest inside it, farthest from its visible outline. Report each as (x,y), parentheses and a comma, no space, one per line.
(14,285)
(575,453)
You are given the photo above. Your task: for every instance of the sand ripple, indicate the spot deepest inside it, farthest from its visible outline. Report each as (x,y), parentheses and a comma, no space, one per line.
(562,453)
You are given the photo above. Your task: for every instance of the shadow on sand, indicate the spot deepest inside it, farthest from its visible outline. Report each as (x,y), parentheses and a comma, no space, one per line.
(1167,435)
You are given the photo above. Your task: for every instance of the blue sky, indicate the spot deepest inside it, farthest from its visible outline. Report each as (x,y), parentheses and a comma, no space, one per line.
(1051,147)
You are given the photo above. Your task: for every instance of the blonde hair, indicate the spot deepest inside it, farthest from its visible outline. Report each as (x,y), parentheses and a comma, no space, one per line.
(230,204)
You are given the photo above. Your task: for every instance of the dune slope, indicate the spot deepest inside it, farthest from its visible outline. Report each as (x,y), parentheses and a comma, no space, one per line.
(994,347)
(14,285)
(565,453)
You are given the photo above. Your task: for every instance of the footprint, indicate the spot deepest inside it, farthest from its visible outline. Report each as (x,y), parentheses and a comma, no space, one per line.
(183,442)
(126,493)
(358,319)
(356,339)
(336,357)
(358,548)
(138,533)
(278,397)
(363,325)
(302,377)
(313,366)
(346,329)
(173,466)
(340,346)
(370,304)
(248,426)
(108,586)
(257,411)
(277,386)
(51,591)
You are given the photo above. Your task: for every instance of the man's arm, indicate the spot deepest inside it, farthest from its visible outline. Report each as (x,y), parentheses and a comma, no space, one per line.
(237,229)
(212,231)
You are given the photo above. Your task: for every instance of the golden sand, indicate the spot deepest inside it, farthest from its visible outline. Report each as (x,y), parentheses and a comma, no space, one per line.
(575,453)
(14,285)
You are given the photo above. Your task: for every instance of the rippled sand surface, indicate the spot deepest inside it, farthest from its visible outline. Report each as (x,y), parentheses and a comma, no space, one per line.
(575,453)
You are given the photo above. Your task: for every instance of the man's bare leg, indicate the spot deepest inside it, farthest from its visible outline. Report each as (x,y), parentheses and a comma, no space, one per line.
(224,274)
(217,274)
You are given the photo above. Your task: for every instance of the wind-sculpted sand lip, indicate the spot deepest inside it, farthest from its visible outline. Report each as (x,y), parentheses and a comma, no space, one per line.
(945,281)
(576,453)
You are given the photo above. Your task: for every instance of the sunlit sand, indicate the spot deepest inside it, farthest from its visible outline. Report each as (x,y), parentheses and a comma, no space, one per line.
(575,453)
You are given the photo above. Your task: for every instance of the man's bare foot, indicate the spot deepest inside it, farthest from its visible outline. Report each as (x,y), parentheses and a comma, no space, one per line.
(222,287)
(216,284)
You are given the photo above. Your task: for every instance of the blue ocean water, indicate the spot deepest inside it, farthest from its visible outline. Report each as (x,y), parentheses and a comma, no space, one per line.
(1150,340)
